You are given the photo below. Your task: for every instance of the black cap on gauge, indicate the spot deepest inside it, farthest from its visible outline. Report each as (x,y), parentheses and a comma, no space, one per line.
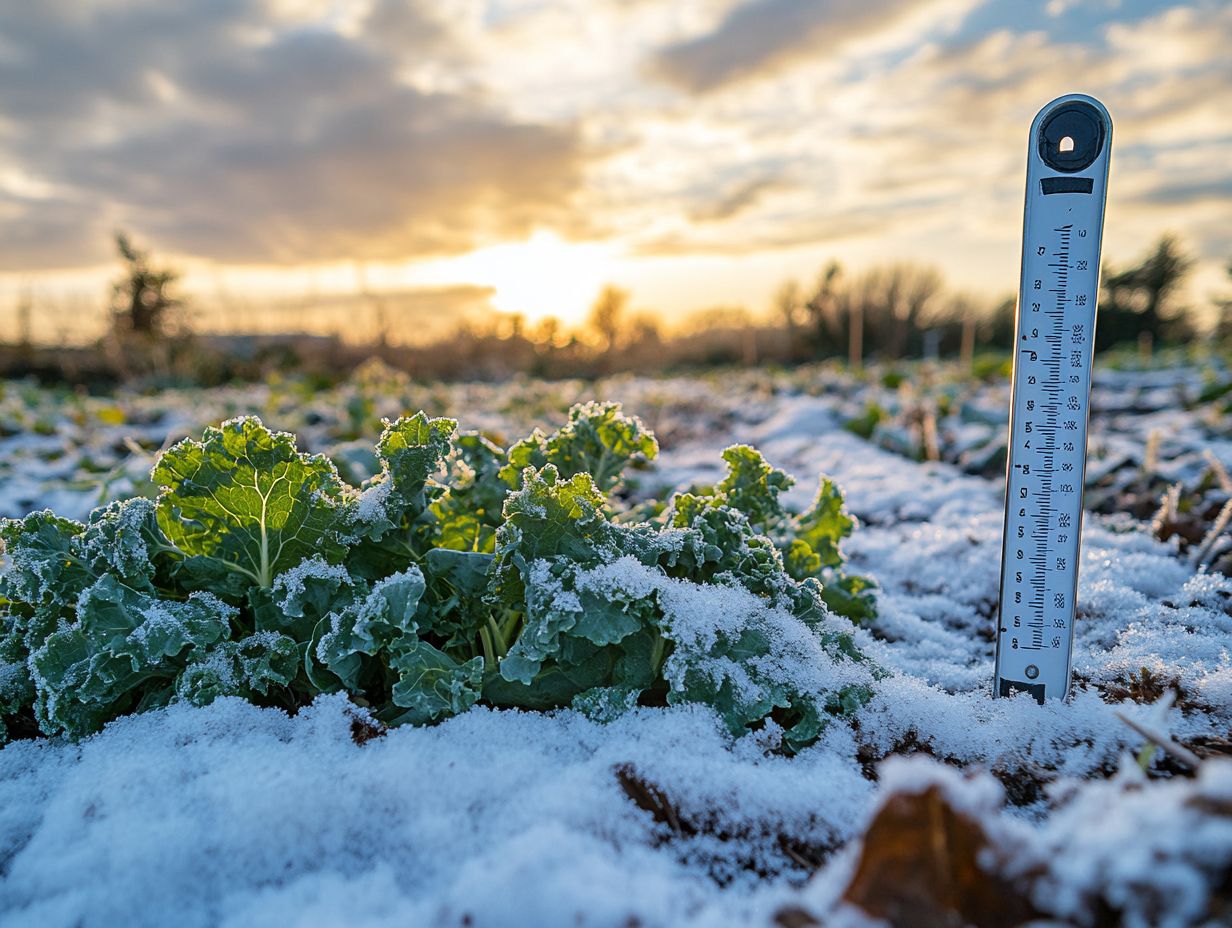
(1071,137)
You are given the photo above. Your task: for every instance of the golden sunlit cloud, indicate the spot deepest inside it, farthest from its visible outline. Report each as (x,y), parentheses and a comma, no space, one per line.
(317,148)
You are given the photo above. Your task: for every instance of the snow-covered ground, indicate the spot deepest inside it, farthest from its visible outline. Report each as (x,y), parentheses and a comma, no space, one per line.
(239,816)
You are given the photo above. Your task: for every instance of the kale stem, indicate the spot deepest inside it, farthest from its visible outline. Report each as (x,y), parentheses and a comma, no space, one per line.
(498,637)
(489,657)
(509,626)
(601,470)
(657,652)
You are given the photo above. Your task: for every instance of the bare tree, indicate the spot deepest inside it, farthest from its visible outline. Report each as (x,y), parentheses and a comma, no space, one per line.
(789,305)
(607,316)
(141,301)
(1141,299)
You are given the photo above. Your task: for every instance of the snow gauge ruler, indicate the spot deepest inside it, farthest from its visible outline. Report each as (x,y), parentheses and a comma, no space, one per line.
(1067,176)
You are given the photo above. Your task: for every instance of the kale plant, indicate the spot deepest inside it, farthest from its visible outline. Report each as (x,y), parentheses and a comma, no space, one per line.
(459,574)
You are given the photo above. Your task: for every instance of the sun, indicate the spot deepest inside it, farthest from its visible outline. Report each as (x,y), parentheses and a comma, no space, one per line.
(542,276)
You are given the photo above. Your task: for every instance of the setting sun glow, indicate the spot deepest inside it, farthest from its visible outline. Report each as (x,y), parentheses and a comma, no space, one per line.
(542,276)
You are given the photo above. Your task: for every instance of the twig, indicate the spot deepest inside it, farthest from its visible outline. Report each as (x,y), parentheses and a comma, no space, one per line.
(1217,529)
(1167,509)
(1220,472)
(1181,753)
(1150,456)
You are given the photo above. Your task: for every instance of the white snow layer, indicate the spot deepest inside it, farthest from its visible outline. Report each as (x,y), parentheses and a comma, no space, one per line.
(238,816)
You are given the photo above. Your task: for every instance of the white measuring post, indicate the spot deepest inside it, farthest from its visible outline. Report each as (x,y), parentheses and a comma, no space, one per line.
(1067,177)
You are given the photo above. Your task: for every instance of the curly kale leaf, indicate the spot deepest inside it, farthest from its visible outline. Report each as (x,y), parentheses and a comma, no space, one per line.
(570,640)
(369,626)
(16,684)
(410,450)
(814,552)
(555,606)
(302,597)
(244,501)
(809,544)
(469,513)
(826,524)
(248,668)
(720,546)
(374,650)
(54,559)
(753,487)
(598,440)
(602,636)
(455,608)
(605,703)
(121,654)
(550,516)
(46,568)
(431,685)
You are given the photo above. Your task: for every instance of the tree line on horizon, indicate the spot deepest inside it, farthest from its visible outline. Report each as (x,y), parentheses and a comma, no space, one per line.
(889,312)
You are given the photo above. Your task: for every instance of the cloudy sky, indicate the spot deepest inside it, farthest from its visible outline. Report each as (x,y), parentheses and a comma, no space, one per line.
(696,151)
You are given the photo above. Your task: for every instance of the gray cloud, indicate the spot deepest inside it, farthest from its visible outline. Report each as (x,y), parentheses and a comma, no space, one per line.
(221,130)
(1175,192)
(760,35)
(736,198)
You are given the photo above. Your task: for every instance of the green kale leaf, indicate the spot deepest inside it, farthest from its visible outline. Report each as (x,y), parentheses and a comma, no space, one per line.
(752,487)
(598,440)
(243,500)
(470,511)
(431,685)
(247,668)
(826,524)
(122,654)
(366,630)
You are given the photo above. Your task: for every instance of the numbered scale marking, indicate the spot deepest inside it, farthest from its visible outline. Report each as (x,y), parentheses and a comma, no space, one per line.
(1067,174)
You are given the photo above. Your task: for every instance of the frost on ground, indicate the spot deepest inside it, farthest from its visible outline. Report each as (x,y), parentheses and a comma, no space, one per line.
(238,816)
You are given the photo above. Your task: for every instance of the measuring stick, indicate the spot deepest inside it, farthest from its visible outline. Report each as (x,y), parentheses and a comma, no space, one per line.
(1054,344)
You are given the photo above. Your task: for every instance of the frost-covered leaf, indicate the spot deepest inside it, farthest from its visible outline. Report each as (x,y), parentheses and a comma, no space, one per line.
(45,569)
(16,684)
(455,606)
(122,653)
(605,703)
(124,539)
(598,440)
(245,668)
(555,605)
(370,626)
(553,528)
(826,524)
(469,513)
(550,516)
(302,596)
(246,500)
(751,659)
(410,451)
(720,545)
(752,487)
(431,685)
